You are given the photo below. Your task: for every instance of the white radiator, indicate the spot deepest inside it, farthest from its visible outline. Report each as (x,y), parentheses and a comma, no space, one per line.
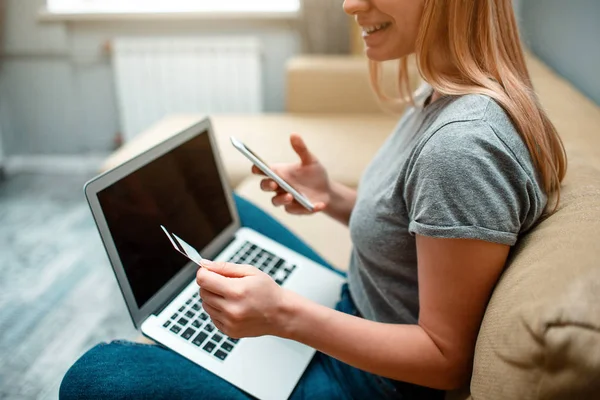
(159,76)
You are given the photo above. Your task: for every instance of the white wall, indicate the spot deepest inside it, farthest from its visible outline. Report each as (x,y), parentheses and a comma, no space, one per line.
(57,86)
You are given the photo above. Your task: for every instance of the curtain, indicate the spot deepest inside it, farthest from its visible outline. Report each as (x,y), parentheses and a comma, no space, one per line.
(325,28)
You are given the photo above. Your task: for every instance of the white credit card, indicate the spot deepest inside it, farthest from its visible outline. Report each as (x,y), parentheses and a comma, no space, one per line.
(184,248)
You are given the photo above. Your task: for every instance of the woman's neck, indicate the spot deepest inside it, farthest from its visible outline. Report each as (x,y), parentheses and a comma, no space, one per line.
(435,96)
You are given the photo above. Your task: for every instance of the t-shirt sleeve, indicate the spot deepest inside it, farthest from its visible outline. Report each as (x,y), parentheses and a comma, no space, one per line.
(465,183)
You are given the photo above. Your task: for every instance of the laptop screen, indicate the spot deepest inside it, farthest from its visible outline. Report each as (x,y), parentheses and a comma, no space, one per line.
(181,190)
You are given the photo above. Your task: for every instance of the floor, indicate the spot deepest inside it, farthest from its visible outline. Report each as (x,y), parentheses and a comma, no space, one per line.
(58,295)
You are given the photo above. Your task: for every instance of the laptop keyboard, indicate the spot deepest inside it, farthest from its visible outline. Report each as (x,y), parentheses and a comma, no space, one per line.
(193,324)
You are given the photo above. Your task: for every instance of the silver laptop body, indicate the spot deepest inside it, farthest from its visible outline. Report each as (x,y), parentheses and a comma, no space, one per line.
(181,184)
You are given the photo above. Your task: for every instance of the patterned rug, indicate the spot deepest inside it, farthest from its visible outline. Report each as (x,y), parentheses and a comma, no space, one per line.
(58,294)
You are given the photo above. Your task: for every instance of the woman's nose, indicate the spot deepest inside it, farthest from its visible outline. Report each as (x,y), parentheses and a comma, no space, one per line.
(353,7)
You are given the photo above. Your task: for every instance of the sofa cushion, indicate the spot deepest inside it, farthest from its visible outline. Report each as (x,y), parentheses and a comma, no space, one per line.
(345,144)
(327,237)
(540,338)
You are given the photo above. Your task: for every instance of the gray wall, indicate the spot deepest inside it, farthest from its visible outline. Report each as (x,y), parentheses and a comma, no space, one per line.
(566,35)
(1,152)
(56,84)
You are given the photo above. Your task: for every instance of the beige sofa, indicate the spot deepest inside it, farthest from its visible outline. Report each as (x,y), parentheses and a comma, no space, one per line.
(540,338)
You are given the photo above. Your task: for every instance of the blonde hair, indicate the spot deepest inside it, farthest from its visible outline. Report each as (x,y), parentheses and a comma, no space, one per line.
(481,40)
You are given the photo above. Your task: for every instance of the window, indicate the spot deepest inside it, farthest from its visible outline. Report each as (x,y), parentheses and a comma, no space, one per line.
(172,6)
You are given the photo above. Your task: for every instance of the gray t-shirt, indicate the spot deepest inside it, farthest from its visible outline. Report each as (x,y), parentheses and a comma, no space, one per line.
(456,168)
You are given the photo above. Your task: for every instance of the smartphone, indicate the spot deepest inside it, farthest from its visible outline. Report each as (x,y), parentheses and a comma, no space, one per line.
(260,164)
(181,246)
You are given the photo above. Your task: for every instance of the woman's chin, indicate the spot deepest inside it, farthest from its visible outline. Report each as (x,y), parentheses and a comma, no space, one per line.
(375,54)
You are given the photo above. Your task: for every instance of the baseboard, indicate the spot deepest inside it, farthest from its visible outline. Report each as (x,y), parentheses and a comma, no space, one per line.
(54,164)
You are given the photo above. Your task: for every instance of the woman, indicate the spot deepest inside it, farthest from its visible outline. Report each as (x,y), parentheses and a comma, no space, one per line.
(468,169)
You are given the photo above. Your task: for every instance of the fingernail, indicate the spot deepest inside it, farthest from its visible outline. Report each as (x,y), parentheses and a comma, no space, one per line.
(206,263)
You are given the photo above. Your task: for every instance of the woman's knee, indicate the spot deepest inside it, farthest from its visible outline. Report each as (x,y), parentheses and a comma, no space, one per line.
(126,370)
(107,371)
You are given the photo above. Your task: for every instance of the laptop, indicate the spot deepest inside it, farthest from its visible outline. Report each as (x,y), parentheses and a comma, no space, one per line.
(179,188)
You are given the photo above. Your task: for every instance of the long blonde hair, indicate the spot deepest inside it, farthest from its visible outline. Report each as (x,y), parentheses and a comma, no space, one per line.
(481,40)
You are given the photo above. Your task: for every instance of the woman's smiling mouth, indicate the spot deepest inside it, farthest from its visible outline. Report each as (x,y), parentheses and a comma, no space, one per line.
(371,29)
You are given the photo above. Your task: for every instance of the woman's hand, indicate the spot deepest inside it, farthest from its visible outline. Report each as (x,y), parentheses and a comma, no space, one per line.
(241,300)
(308,177)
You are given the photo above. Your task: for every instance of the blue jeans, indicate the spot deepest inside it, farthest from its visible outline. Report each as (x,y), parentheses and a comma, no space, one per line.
(126,370)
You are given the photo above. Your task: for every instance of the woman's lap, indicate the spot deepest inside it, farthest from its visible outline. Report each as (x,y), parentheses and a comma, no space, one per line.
(125,370)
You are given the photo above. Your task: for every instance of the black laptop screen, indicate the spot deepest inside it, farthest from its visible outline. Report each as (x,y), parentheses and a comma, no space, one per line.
(180,190)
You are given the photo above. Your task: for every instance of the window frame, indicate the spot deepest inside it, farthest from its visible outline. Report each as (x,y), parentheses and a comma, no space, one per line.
(78,11)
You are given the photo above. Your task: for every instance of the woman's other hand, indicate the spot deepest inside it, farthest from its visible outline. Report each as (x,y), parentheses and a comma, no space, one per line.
(308,177)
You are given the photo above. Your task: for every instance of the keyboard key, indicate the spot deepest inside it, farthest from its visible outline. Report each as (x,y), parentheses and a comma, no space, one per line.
(288,267)
(209,328)
(166,324)
(217,338)
(203,316)
(189,332)
(175,329)
(188,302)
(233,340)
(221,355)
(196,324)
(275,271)
(210,346)
(280,274)
(174,316)
(196,307)
(196,294)
(182,321)
(181,308)
(227,346)
(200,338)
(190,314)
